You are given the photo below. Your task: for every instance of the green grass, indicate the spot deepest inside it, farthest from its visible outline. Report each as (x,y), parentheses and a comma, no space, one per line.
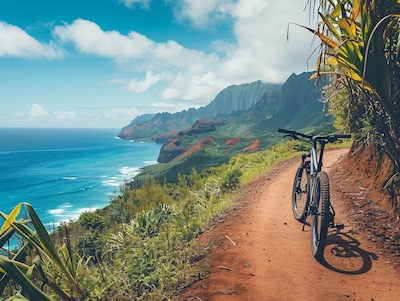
(144,245)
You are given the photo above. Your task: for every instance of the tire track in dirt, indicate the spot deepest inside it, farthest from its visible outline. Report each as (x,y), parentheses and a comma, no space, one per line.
(262,254)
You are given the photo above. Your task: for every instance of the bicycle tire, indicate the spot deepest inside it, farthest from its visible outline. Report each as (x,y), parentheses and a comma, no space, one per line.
(300,193)
(320,216)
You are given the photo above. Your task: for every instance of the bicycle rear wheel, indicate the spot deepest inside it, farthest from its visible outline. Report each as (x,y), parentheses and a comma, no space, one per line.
(320,215)
(300,194)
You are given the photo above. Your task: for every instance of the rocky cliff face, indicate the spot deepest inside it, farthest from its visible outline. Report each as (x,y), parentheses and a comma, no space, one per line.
(163,126)
(295,105)
(237,98)
(247,114)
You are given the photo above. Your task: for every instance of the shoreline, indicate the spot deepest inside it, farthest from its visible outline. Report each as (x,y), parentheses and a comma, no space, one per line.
(83,172)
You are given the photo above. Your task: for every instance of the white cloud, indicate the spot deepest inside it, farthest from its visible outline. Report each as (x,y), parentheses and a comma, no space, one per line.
(196,89)
(203,13)
(37,112)
(15,42)
(140,51)
(166,61)
(108,116)
(251,8)
(140,86)
(64,115)
(260,49)
(134,3)
(260,27)
(89,38)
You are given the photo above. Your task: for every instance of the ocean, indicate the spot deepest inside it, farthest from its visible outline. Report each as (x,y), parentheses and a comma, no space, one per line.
(64,172)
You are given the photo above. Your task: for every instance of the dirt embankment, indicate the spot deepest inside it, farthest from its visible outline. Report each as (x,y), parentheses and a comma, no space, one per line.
(261,253)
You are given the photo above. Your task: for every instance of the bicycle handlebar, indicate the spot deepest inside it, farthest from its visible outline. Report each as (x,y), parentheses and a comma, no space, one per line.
(294,134)
(330,138)
(340,136)
(285,131)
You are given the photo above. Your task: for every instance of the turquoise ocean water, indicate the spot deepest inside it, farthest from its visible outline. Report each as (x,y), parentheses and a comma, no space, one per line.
(64,172)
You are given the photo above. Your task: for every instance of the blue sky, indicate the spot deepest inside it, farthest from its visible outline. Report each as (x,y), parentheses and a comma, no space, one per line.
(85,63)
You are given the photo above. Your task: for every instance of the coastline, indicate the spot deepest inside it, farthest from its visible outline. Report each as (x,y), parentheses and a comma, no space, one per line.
(66,172)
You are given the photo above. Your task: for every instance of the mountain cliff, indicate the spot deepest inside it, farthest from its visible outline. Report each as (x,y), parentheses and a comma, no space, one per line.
(163,126)
(241,119)
(294,105)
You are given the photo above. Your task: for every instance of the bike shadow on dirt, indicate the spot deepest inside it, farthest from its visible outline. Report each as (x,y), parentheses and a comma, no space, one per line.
(344,255)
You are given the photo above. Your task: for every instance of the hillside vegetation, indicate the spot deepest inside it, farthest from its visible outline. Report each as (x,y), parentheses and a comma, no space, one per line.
(213,140)
(140,247)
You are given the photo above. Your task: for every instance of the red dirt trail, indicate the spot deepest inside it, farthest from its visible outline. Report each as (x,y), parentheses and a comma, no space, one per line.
(262,254)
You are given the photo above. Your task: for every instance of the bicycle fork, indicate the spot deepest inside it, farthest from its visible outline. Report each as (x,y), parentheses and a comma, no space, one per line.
(312,210)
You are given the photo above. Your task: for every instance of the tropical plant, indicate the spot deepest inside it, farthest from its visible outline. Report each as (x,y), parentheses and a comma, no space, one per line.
(38,264)
(360,47)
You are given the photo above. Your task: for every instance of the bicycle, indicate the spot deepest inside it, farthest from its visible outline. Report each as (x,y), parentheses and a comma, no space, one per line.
(311,192)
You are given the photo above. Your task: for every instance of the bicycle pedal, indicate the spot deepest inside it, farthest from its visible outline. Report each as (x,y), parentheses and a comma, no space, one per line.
(339,226)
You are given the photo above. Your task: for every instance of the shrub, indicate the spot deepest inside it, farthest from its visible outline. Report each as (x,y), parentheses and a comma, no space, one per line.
(231,180)
(92,221)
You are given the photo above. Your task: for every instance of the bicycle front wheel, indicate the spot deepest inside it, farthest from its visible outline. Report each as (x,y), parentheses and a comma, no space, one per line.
(300,194)
(320,214)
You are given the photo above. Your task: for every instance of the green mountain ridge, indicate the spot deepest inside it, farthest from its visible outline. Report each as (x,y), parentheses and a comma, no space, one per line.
(213,140)
(163,126)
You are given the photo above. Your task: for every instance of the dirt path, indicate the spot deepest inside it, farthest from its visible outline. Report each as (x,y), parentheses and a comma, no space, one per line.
(262,254)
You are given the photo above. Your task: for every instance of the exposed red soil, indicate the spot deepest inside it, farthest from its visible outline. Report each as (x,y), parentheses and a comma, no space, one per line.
(199,146)
(232,141)
(367,203)
(261,253)
(253,147)
(364,164)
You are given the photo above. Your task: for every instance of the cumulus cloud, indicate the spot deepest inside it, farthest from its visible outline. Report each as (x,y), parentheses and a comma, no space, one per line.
(37,111)
(134,47)
(195,88)
(160,61)
(89,38)
(260,49)
(263,49)
(15,42)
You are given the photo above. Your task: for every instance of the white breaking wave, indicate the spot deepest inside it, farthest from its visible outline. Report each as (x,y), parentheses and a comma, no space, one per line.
(130,172)
(150,162)
(112,183)
(67,212)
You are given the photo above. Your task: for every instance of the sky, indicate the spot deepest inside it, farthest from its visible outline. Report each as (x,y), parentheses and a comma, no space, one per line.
(99,64)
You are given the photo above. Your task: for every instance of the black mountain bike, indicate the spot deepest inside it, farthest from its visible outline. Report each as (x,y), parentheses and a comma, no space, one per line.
(311,193)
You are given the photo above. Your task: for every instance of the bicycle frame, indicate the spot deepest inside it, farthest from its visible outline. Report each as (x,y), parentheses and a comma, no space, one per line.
(315,168)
